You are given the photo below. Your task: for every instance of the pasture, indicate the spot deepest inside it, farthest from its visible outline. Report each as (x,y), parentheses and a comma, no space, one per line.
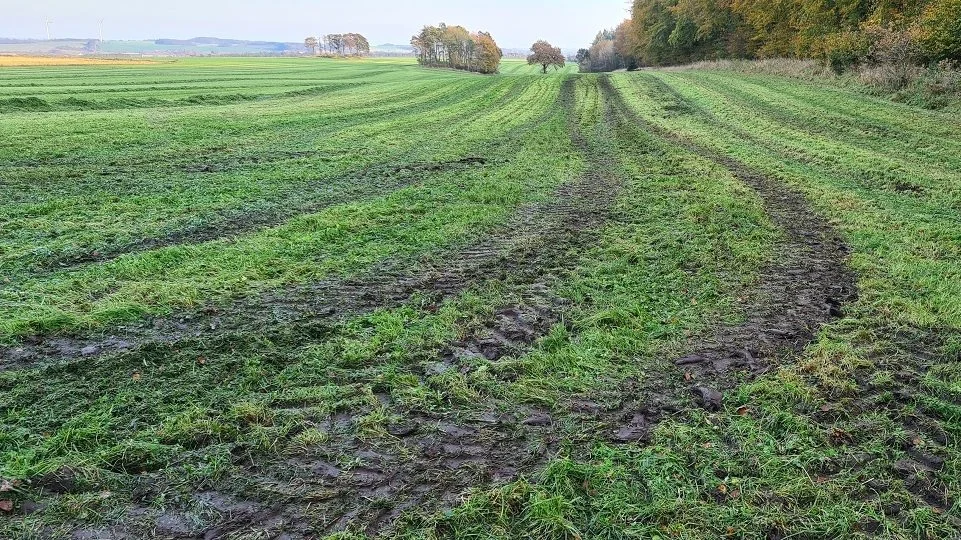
(251,297)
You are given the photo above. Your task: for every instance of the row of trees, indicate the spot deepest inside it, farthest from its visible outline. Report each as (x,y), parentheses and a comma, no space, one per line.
(610,51)
(842,32)
(456,48)
(338,45)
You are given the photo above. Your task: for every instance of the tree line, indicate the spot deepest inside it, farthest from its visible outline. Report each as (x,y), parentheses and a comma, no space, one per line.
(843,33)
(608,52)
(338,45)
(456,48)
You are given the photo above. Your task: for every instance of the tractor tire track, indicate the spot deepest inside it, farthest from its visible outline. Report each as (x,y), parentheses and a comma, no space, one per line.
(797,293)
(373,182)
(437,457)
(916,400)
(813,272)
(441,457)
(311,197)
(390,284)
(509,250)
(306,197)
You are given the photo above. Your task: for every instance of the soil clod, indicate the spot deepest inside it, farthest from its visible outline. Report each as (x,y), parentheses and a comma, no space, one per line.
(636,430)
(709,398)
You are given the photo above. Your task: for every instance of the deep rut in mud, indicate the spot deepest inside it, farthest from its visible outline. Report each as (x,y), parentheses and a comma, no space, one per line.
(438,457)
(813,273)
(390,284)
(796,295)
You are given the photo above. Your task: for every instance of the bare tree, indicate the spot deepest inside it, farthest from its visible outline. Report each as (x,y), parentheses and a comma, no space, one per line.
(311,44)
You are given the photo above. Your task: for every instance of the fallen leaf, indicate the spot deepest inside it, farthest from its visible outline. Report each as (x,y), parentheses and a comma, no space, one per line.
(707,445)
(6,485)
(821,479)
(841,436)
(135,376)
(722,489)
(202,360)
(688,376)
(6,505)
(743,410)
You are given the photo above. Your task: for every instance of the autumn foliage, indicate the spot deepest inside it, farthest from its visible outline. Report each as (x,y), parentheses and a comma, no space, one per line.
(546,55)
(843,33)
(456,48)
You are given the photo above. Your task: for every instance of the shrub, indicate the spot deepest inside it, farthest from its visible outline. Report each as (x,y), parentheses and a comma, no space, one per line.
(944,78)
(892,58)
(844,50)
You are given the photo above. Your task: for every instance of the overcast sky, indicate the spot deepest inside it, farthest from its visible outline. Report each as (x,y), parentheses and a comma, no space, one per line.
(514,23)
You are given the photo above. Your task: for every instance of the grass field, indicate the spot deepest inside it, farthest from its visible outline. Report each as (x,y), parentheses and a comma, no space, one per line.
(20,61)
(260,298)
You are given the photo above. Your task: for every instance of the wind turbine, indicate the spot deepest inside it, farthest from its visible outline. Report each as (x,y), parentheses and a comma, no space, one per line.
(47,24)
(101,35)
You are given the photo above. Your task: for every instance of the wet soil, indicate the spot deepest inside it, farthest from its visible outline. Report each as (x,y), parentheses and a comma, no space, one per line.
(815,255)
(925,413)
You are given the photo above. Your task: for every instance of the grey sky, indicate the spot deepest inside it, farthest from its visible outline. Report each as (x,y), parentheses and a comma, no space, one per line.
(514,23)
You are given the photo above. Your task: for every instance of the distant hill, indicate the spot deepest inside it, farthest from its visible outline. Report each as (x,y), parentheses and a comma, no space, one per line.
(392,49)
(198,46)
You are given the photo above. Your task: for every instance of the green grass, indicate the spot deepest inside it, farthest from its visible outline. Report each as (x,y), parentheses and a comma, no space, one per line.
(118,154)
(133,185)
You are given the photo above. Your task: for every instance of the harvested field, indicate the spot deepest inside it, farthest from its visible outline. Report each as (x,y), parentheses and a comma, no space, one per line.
(272,298)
